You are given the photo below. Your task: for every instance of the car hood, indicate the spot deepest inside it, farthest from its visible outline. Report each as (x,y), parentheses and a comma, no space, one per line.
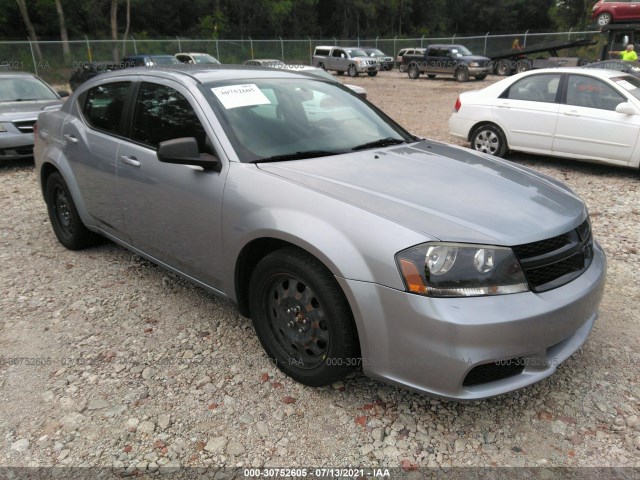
(11,111)
(477,58)
(446,192)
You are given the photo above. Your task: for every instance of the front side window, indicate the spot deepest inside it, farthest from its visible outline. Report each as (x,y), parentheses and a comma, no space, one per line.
(162,113)
(104,105)
(590,92)
(535,88)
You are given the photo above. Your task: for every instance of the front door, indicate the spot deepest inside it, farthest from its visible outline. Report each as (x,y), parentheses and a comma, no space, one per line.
(171,212)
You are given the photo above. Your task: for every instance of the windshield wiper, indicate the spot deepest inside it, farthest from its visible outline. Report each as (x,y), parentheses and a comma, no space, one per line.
(296,156)
(383,142)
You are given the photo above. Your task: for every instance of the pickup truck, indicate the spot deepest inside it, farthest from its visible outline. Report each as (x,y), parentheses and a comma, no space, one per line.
(450,60)
(352,60)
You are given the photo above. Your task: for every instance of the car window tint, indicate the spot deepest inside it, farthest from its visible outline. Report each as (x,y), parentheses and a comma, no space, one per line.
(535,88)
(590,92)
(104,106)
(162,113)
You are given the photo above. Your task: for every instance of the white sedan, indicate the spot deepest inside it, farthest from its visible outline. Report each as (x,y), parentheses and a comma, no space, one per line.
(591,115)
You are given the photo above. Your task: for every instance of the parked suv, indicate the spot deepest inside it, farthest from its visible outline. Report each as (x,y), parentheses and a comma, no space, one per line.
(407,51)
(385,61)
(352,60)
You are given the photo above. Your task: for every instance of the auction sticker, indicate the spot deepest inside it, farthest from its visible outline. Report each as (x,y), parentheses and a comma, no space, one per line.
(235,96)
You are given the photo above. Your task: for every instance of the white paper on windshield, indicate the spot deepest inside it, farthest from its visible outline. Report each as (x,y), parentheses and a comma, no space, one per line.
(235,96)
(626,85)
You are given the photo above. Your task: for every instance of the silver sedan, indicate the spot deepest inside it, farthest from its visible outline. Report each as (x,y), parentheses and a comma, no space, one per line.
(348,241)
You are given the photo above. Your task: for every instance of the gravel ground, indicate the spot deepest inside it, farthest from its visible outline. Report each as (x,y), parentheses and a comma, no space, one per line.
(130,367)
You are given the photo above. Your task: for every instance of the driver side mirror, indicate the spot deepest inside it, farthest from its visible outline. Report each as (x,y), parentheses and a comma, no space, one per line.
(184,151)
(625,108)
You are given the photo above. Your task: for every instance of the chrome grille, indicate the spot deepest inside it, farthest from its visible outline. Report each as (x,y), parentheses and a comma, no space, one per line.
(556,261)
(25,126)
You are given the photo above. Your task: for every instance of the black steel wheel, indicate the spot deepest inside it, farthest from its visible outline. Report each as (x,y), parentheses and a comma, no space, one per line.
(504,67)
(488,138)
(64,217)
(302,319)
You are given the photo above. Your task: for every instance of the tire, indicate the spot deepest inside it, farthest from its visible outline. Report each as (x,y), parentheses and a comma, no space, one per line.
(462,74)
(431,76)
(604,19)
(489,139)
(65,221)
(504,68)
(321,66)
(352,71)
(481,77)
(372,74)
(523,66)
(413,71)
(302,318)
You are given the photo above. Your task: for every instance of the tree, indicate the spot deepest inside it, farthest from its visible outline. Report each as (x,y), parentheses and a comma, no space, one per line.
(63,32)
(27,23)
(126,29)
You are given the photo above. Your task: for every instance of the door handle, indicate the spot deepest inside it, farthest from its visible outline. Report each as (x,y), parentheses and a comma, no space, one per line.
(71,138)
(572,113)
(504,105)
(130,160)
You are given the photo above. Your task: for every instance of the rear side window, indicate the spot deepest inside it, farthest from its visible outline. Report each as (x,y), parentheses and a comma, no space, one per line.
(535,88)
(104,105)
(162,113)
(323,52)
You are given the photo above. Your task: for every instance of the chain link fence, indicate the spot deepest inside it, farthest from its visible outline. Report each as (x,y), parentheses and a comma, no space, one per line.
(46,58)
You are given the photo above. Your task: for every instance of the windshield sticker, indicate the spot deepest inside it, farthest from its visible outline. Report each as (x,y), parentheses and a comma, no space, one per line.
(626,85)
(235,96)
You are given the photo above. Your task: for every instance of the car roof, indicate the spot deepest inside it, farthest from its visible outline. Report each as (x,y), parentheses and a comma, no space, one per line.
(593,72)
(200,74)
(12,74)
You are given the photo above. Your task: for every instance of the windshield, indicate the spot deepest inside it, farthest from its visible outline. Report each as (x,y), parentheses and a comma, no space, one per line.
(629,83)
(282,119)
(163,60)
(374,52)
(460,51)
(24,88)
(357,53)
(203,58)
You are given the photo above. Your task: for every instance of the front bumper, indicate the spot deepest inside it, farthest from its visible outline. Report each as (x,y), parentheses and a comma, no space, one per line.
(15,146)
(431,344)
(473,71)
(367,68)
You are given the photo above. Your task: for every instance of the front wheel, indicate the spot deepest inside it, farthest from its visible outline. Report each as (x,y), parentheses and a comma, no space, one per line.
(414,71)
(462,74)
(353,71)
(64,217)
(604,19)
(489,139)
(302,318)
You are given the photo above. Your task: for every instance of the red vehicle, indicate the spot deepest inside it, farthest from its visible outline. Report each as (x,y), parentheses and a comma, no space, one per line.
(608,11)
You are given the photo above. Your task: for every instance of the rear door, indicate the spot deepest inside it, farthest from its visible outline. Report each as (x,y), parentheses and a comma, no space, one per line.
(528,112)
(91,140)
(172,212)
(589,125)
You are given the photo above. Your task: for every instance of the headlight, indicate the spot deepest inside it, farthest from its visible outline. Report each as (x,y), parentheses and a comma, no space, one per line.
(3,128)
(474,64)
(460,270)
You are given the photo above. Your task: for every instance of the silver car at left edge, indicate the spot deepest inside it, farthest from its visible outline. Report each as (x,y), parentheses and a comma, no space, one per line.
(349,242)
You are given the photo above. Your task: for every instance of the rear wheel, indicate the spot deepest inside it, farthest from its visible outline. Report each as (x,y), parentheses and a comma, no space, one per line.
(462,74)
(523,66)
(64,217)
(489,139)
(353,71)
(321,66)
(504,68)
(603,19)
(302,319)
(414,71)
